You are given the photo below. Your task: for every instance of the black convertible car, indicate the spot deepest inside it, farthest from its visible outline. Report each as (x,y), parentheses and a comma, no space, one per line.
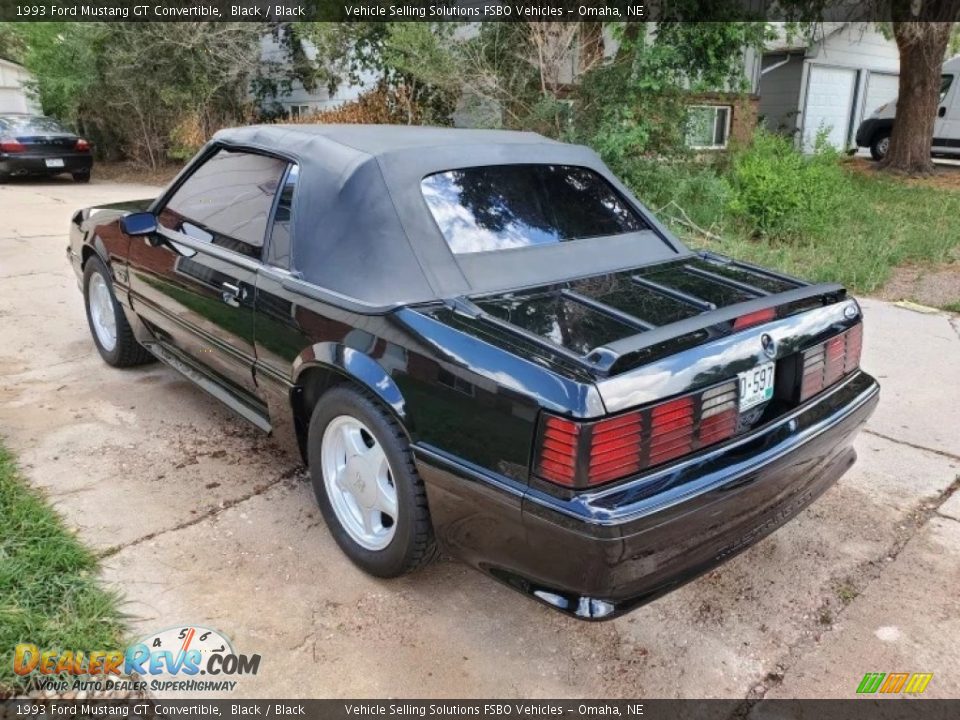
(481,341)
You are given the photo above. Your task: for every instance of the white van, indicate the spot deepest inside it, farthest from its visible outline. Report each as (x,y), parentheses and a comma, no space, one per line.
(874,132)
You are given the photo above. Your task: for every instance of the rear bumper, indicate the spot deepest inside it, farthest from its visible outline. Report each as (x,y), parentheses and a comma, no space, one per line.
(27,164)
(601,554)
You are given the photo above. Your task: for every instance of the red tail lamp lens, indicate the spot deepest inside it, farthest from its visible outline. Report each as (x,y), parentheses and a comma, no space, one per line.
(11,145)
(718,414)
(671,430)
(582,455)
(558,452)
(82,145)
(615,448)
(824,364)
(754,318)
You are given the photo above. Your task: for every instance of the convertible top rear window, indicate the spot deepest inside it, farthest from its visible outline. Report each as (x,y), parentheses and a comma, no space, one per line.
(498,207)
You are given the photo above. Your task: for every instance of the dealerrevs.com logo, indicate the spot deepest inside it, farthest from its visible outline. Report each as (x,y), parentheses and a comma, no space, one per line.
(894,683)
(180,659)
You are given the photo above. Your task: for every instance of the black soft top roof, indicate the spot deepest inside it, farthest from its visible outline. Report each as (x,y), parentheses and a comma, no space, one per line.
(362,229)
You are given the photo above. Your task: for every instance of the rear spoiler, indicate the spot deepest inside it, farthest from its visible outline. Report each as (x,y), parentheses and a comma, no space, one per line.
(606,357)
(609,358)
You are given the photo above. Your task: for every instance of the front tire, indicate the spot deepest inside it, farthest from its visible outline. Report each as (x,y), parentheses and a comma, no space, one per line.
(880,145)
(367,486)
(111,332)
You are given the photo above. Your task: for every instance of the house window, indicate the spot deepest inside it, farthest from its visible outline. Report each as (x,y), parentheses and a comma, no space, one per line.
(708,126)
(299,110)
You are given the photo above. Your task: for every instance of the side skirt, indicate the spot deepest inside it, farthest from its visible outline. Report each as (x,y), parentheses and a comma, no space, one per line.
(248,408)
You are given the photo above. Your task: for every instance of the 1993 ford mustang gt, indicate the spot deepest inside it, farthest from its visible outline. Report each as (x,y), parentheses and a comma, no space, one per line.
(480,340)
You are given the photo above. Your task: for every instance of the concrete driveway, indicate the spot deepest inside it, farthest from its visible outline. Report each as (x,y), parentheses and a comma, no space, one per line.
(200,521)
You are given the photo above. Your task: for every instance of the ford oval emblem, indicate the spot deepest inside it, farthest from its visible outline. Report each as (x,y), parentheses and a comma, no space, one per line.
(769,345)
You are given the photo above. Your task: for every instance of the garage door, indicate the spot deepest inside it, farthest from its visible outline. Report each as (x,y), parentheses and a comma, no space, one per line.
(12,100)
(829,105)
(881,89)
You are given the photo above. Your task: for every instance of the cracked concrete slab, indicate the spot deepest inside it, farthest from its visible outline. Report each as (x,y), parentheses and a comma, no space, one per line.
(916,358)
(201,522)
(951,508)
(896,625)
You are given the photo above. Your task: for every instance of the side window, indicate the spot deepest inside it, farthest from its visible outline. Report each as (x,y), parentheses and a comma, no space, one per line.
(278,250)
(227,201)
(945,82)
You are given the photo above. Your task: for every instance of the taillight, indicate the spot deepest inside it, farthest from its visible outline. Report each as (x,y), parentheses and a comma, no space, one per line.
(829,361)
(671,430)
(81,145)
(754,318)
(585,454)
(615,448)
(558,450)
(11,145)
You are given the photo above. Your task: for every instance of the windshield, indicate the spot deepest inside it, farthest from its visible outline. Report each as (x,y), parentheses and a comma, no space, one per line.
(27,123)
(499,207)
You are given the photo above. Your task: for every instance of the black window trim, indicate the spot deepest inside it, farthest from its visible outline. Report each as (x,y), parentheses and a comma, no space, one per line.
(158,205)
(272,219)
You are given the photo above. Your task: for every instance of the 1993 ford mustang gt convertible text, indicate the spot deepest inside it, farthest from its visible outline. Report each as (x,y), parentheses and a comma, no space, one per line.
(479,340)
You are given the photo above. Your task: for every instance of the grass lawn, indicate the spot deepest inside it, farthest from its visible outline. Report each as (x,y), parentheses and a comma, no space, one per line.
(49,593)
(883,223)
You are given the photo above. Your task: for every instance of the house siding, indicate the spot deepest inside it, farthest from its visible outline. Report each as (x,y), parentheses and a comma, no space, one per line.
(319,98)
(857,45)
(780,92)
(13,94)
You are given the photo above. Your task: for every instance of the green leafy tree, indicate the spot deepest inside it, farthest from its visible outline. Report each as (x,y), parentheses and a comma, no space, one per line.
(277,76)
(145,91)
(417,56)
(11,42)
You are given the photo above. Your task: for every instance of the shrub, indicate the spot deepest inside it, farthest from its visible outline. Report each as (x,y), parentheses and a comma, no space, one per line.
(780,194)
(381,106)
(684,191)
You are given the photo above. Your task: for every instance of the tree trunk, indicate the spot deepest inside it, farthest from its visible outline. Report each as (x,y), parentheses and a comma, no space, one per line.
(922,47)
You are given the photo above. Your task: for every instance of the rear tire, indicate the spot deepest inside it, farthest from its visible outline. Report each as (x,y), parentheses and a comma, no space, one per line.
(880,145)
(350,433)
(111,332)
(83,176)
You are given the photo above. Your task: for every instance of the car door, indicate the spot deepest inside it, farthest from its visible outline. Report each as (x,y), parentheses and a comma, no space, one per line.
(946,128)
(193,281)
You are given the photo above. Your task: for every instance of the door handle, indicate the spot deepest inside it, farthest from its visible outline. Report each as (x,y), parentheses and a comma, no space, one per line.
(942,111)
(230,294)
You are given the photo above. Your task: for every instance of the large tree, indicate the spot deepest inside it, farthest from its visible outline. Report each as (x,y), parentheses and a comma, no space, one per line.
(922,45)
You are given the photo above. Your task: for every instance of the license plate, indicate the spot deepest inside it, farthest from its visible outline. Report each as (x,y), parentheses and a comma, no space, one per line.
(54,162)
(756,385)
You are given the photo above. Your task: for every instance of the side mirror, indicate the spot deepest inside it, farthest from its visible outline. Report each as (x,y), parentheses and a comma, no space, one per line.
(140,223)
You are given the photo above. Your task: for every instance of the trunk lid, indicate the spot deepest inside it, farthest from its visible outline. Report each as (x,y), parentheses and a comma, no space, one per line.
(643,335)
(47,143)
(614,323)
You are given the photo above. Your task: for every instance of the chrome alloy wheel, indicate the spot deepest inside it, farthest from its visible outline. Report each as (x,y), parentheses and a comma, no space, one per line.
(359,482)
(102,315)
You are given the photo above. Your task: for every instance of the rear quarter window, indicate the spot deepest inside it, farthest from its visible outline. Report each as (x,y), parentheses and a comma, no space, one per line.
(499,207)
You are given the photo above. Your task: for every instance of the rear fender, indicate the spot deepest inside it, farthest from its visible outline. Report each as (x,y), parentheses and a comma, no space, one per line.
(356,366)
